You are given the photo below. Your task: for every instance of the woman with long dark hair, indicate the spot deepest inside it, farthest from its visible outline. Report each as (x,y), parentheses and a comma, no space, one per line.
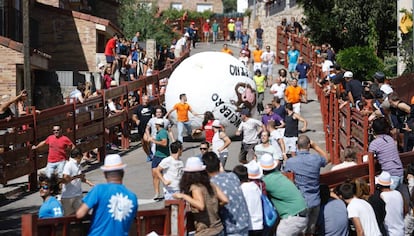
(204,198)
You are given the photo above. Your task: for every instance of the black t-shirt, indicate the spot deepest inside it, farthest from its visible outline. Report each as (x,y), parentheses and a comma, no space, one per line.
(259,33)
(7,113)
(355,87)
(144,114)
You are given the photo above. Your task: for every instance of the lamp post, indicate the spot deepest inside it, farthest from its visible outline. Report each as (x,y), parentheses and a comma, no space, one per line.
(26,51)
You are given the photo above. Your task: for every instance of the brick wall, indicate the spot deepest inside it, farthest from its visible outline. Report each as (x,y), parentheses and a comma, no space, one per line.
(8,70)
(192,4)
(71,42)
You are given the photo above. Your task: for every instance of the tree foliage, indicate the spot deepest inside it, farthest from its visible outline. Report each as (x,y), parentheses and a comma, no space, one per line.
(229,6)
(361,60)
(135,16)
(347,23)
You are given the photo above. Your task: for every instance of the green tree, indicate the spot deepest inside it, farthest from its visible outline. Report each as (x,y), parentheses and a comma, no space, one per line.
(362,61)
(142,17)
(347,23)
(229,6)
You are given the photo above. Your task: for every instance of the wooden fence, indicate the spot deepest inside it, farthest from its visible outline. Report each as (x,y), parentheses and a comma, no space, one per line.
(84,123)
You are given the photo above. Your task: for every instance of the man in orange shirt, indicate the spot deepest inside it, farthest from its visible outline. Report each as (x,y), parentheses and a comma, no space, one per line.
(183,120)
(294,94)
(257,58)
(227,50)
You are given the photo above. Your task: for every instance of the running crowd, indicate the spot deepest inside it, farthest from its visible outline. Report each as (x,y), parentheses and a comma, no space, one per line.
(233,202)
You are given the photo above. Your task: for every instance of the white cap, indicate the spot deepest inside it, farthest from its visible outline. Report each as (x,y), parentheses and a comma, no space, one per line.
(186,34)
(348,74)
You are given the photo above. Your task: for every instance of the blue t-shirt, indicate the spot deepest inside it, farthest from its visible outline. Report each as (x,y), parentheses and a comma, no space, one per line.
(235,214)
(303,69)
(307,167)
(114,209)
(293,56)
(51,208)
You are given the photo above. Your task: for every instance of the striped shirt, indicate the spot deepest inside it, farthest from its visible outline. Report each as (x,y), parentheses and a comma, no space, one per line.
(385,149)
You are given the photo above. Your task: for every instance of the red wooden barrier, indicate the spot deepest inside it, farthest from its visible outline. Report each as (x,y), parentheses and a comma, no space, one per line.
(84,124)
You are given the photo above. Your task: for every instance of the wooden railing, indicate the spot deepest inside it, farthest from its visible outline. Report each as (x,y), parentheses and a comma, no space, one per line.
(84,123)
(169,220)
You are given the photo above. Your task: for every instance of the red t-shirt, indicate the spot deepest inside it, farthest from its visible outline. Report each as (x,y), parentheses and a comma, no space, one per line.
(206,27)
(57,148)
(111,44)
(209,132)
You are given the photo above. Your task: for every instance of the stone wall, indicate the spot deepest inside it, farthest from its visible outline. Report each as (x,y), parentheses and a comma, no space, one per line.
(269,23)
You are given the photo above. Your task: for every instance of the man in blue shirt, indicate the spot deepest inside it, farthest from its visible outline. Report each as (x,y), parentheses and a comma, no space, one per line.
(49,187)
(306,167)
(302,69)
(114,206)
(293,55)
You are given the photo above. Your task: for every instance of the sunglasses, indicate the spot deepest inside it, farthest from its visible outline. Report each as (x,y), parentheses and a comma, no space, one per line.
(44,187)
(56,130)
(203,148)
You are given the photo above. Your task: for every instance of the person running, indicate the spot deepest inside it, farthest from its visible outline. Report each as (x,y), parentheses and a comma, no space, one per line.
(162,143)
(220,142)
(294,94)
(260,80)
(182,108)
(292,129)
(250,128)
(170,170)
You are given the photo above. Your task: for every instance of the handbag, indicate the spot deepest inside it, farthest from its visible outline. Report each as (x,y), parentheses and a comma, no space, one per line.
(269,212)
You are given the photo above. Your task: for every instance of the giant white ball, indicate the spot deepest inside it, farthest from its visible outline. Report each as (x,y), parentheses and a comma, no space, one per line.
(216,82)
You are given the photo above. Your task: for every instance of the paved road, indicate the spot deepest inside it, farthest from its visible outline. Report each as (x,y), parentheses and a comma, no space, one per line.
(138,172)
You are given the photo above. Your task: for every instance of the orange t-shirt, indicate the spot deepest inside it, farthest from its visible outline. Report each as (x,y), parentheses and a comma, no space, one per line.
(257,56)
(293,94)
(228,51)
(182,111)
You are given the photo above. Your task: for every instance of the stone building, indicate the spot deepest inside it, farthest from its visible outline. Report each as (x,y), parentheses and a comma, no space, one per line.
(215,6)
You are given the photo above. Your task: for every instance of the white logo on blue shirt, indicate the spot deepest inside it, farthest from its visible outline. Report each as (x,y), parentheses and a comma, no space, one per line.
(120,206)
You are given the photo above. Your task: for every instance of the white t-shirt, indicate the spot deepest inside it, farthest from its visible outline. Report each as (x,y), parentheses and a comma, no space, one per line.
(326,66)
(151,124)
(386,88)
(275,135)
(394,218)
(268,58)
(179,46)
(172,171)
(249,129)
(260,150)
(254,204)
(74,188)
(343,165)
(280,90)
(363,210)
(217,143)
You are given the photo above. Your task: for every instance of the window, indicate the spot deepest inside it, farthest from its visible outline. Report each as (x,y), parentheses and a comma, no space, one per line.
(204,7)
(177,6)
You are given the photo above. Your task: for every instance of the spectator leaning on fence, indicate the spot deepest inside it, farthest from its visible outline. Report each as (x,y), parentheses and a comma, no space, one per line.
(59,144)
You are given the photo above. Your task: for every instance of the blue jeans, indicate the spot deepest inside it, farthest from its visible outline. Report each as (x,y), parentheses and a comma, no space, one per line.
(180,127)
(52,166)
(303,82)
(397,181)
(259,43)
